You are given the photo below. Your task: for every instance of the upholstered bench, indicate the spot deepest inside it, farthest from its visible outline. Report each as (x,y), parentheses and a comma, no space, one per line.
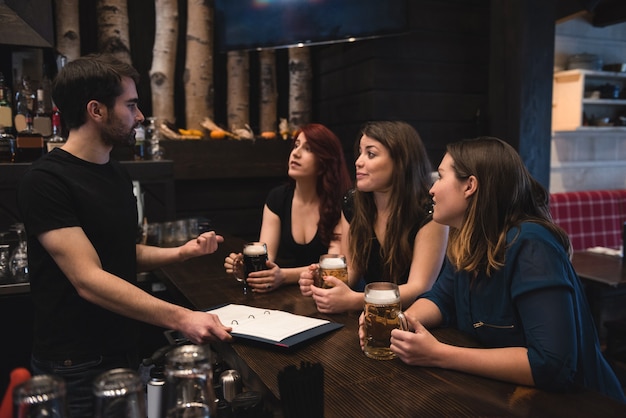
(595,218)
(592,218)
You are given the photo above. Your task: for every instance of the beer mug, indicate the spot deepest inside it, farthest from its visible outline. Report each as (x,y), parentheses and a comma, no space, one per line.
(254,259)
(332,265)
(40,396)
(188,390)
(119,393)
(382,314)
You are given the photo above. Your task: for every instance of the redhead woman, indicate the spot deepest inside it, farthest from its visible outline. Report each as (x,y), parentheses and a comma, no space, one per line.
(301,219)
(388,232)
(508,281)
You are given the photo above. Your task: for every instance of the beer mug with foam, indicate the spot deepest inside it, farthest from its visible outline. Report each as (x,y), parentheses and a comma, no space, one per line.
(254,259)
(332,265)
(382,314)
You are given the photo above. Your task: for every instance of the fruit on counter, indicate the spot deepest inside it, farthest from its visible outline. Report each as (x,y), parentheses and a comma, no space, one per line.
(217,134)
(191,132)
(170,133)
(220,133)
(268,135)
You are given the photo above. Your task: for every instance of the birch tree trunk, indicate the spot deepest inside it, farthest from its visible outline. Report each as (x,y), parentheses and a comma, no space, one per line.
(268,92)
(238,91)
(300,78)
(199,99)
(164,60)
(68,28)
(113,35)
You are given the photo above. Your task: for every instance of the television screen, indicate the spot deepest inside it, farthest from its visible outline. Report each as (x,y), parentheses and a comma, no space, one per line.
(254,24)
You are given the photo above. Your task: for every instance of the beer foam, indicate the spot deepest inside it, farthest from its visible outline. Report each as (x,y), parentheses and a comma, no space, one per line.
(381,297)
(254,250)
(332,263)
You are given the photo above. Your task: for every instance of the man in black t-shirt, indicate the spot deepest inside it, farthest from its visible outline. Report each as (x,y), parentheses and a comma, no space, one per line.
(80,216)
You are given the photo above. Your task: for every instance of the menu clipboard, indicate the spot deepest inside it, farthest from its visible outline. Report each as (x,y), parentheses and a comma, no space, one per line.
(272,327)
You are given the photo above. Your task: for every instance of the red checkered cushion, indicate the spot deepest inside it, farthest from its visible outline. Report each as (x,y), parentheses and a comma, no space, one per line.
(592,218)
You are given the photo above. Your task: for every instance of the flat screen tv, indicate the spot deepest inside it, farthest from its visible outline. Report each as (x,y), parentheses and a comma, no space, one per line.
(256,24)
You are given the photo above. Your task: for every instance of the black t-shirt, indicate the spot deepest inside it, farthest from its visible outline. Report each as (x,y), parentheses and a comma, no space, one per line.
(58,191)
(290,253)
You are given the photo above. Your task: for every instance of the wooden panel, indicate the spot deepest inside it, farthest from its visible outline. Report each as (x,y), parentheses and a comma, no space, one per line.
(214,159)
(435,77)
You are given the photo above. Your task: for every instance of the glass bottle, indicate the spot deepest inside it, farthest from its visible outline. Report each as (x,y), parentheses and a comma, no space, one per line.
(25,100)
(29,144)
(153,136)
(6,112)
(188,390)
(7,146)
(18,263)
(57,139)
(40,396)
(140,143)
(119,393)
(5,274)
(42,122)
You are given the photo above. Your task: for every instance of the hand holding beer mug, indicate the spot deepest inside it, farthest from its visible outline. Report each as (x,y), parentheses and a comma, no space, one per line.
(254,259)
(331,265)
(382,314)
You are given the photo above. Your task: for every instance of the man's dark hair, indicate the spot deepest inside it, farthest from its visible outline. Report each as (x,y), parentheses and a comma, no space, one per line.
(92,77)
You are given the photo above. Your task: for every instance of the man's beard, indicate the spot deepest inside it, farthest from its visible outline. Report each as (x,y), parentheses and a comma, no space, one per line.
(112,135)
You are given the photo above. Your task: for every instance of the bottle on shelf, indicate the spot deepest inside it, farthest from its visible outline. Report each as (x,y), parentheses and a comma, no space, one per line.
(153,136)
(42,122)
(6,112)
(7,146)
(29,144)
(140,143)
(25,100)
(56,139)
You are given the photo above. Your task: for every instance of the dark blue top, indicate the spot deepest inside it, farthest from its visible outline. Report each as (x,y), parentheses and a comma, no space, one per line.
(290,253)
(536,301)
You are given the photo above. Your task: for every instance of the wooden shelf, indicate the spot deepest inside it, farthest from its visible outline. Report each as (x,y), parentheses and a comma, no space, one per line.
(569,101)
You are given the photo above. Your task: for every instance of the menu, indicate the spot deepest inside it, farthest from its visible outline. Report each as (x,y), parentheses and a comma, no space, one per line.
(279,328)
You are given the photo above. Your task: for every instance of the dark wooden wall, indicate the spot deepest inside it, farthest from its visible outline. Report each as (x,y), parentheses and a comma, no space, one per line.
(464,68)
(434,77)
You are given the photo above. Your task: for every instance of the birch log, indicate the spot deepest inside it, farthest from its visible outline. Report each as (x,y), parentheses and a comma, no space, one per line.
(238,91)
(164,60)
(300,79)
(113,35)
(68,29)
(268,93)
(198,77)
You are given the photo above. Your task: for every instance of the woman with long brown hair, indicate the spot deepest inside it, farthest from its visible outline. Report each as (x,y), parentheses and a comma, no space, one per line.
(388,233)
(508,281)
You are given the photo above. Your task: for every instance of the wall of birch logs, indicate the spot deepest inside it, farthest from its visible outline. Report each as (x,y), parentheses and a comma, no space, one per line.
(435,77)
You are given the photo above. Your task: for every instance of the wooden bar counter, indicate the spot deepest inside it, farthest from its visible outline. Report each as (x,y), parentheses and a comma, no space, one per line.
(354,385)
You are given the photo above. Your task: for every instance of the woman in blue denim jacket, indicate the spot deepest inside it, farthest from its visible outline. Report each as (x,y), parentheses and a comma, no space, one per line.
(508,281)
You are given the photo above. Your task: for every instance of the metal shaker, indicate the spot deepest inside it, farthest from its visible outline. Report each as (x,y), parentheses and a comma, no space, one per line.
(230,380)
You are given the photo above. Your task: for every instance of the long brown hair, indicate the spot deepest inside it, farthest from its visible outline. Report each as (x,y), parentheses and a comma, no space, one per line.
(409,201)
(506,196)
(333,179)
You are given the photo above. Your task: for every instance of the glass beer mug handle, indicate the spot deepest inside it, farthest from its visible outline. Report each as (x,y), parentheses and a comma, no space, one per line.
(404,323)
(318,280)
(238,267)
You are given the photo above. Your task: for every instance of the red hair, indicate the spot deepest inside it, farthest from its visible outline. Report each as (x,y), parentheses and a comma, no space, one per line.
(333,179)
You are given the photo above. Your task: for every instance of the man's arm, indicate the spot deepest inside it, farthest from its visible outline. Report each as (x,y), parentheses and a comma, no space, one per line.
(76,257)
(150,257)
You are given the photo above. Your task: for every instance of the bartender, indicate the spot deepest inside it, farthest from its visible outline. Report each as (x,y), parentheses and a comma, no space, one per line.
(80,216)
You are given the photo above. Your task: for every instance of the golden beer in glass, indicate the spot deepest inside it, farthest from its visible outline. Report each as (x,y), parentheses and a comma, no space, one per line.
(382,314)
(332,265)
